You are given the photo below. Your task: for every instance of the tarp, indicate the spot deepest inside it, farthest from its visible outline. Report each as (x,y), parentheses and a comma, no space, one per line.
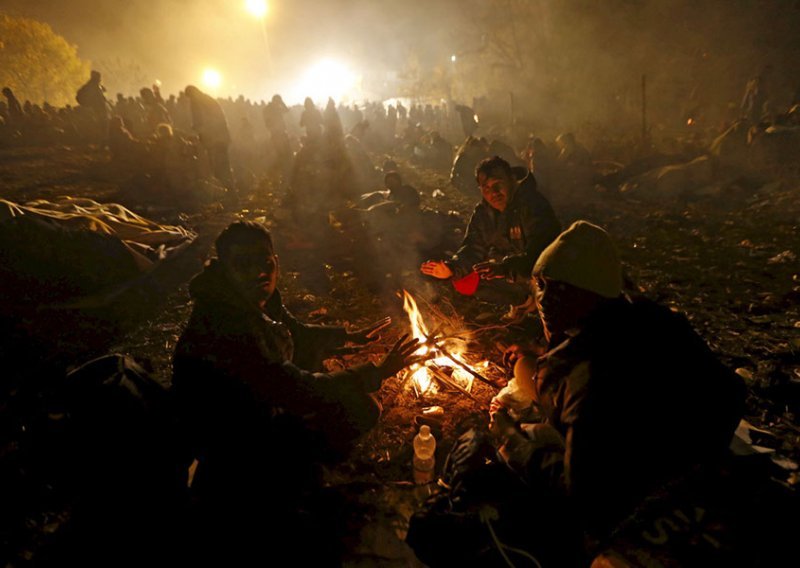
(52,251)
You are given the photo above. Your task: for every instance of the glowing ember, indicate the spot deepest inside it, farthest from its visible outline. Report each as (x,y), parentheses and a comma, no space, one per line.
(421,375)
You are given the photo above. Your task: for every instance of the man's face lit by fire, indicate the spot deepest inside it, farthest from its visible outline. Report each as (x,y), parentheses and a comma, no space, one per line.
(496,188)
(255,269)
(561,306)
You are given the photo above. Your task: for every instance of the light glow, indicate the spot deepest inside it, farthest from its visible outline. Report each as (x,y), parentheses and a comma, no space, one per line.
(212,78)
(421,375)
(257,8)
(327,78)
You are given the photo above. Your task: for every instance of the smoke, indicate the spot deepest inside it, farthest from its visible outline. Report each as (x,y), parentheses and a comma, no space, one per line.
(564,64)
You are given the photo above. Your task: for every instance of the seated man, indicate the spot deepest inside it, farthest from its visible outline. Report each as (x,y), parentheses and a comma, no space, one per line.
(627,398)
(511,225)
(259,424)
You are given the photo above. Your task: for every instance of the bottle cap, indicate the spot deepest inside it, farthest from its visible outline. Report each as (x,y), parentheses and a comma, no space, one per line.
(424,431)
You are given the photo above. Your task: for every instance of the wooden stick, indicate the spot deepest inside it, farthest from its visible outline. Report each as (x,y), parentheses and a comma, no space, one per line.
(466,367)
(442,376)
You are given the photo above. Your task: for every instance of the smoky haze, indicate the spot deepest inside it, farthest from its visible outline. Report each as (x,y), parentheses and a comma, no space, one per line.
(558,64)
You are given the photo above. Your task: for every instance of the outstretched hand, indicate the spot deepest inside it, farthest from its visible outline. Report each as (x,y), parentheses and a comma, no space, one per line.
(369,333)
(437,269)
(400,356)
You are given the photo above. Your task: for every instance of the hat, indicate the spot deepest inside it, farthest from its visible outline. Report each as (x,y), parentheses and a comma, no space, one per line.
(584,257)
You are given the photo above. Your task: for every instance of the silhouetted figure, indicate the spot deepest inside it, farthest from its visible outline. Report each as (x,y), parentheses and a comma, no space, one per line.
(209,122)
(15,112)
(469,122)
(92,96)
(91,99)
(155,112)
(273,115)
(311,120)
(280,151)
(332,122)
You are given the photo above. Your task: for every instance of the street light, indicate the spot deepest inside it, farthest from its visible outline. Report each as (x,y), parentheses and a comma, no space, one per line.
(212,78)
(259,9)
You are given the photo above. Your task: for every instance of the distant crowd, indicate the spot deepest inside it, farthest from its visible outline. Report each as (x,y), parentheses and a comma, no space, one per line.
(194,146)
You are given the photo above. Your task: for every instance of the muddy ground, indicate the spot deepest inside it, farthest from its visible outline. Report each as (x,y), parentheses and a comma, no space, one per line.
(727,258)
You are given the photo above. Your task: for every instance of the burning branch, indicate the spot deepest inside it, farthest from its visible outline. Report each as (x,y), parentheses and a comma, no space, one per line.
(433,346)
(440,375)
(466,367)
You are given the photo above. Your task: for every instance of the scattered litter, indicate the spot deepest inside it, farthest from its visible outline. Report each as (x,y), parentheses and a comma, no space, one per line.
(785,463)
(785,257)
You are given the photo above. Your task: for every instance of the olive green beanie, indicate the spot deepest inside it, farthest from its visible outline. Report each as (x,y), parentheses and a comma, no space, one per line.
(585,257)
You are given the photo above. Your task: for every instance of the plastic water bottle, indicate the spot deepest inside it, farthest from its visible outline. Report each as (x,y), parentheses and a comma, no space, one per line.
(424,458)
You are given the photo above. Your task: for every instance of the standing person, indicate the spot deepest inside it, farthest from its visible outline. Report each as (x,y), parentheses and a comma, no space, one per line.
(332,122)
(281,154)
(311,120)
(511,225)
(273,116)
(259,420)
(91,99)
(92,95)
(469,120)
(209,121)
(16,116)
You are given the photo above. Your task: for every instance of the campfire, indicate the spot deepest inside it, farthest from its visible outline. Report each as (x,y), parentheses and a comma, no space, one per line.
(447,367)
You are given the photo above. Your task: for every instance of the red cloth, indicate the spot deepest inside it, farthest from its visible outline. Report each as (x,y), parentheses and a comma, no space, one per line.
(467,285)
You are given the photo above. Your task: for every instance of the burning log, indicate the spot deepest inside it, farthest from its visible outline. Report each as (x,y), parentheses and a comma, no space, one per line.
(423,375)
(442,376)
(466,367)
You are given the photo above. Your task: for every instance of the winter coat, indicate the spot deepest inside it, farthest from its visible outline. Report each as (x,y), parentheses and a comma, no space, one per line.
(636,398)
(238,383)
(515,237)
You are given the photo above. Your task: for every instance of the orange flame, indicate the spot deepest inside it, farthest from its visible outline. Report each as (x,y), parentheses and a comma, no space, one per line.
(421,374)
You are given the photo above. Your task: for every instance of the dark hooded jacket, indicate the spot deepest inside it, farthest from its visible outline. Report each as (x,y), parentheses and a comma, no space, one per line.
(637,398)
(241,391)
(514,237)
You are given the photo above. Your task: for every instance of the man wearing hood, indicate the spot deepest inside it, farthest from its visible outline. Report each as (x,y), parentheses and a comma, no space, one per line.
(511,225)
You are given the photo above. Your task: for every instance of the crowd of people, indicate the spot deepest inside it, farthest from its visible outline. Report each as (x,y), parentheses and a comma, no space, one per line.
(583,433)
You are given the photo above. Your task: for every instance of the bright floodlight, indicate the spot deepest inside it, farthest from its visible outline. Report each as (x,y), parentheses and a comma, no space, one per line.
(212,78)
(453,58)
(257,8)
(328,78)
